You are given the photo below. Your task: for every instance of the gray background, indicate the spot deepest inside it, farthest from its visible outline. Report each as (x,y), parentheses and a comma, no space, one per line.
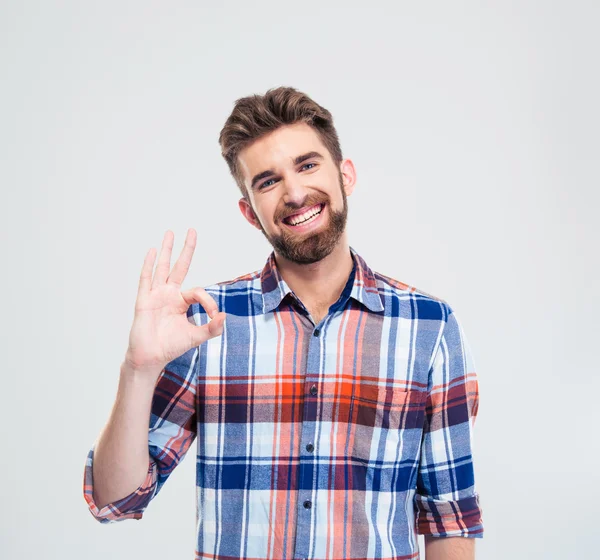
(474,130)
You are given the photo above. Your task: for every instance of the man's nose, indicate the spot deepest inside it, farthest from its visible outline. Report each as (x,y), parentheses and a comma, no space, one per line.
(295,190)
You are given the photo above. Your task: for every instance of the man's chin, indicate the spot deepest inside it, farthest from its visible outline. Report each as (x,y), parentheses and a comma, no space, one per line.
(311,248)
(307,251)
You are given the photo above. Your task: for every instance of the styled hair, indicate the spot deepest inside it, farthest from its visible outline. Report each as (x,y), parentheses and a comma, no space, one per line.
(257,115)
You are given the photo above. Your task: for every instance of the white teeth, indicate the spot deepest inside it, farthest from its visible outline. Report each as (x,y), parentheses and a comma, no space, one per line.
(306,216)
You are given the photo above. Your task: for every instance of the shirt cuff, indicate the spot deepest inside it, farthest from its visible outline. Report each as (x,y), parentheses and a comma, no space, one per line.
(443,518)
(129,507)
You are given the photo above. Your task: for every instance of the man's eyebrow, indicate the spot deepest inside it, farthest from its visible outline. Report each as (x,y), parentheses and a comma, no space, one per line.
(308,155)
(297,161)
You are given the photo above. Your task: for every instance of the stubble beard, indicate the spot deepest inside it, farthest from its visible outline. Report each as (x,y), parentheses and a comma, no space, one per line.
(314,247)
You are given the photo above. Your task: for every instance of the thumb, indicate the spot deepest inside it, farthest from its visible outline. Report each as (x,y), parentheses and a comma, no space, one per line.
(200,334)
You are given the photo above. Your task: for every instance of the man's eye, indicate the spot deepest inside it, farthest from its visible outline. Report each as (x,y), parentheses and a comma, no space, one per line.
(266,184)
(308,164)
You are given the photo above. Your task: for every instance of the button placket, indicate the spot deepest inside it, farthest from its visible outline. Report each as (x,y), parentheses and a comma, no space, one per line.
(311,418)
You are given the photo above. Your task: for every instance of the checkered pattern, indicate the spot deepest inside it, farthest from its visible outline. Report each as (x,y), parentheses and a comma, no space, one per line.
(339,440)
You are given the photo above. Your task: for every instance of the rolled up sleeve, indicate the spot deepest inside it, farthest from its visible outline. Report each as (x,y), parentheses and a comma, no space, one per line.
(447,504)
(129,507)
(172,430)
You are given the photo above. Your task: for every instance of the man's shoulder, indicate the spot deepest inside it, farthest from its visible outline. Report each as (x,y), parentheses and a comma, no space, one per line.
(428,303)
(244,281)
(244,286)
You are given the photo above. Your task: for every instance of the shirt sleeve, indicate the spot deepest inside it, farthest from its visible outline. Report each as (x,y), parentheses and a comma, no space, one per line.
(447,504)
(171,431)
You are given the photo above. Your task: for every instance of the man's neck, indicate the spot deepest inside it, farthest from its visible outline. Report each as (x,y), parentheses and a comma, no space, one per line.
(319,285)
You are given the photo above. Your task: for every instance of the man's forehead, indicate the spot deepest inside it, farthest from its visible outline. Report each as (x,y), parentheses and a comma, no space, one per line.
(280,147)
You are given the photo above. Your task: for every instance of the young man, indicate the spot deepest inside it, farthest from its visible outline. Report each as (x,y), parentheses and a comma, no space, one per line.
(333,409)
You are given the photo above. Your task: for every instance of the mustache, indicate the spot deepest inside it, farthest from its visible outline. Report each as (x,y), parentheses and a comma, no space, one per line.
(293,208)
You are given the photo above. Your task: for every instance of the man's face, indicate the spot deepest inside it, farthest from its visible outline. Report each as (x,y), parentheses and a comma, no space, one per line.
(296,193)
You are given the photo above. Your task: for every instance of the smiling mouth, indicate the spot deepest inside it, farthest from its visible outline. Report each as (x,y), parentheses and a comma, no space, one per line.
(306,217)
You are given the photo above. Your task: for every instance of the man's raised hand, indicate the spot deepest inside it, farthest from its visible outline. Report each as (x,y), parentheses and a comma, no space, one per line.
(161,330)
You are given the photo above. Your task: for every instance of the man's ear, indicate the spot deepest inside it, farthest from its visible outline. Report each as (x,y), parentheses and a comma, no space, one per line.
(248,213)
(348,175)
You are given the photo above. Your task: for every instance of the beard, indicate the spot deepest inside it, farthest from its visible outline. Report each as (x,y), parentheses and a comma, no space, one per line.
(316,246)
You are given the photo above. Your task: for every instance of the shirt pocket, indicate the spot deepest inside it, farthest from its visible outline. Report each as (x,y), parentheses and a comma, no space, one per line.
(385,408)
(384,438)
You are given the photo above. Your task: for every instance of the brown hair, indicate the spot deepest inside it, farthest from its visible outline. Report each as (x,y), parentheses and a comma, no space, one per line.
(257,115)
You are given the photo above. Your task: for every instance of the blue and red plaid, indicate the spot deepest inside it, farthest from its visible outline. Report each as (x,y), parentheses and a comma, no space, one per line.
(332,441)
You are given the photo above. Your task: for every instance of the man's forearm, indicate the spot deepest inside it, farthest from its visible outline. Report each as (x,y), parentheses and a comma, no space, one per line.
(121,455)
(449,548)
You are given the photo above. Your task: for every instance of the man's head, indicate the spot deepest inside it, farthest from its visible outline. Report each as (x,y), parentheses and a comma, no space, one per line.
(284,154)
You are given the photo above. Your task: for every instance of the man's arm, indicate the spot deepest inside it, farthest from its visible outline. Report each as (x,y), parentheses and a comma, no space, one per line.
(450,548)
(121,458)
(151,427)
(153,421)
(447,504)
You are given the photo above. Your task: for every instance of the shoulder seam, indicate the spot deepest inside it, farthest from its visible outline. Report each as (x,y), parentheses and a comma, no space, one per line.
(398,284)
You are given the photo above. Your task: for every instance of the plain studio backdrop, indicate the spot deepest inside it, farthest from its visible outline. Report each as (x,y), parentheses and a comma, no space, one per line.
(474,128)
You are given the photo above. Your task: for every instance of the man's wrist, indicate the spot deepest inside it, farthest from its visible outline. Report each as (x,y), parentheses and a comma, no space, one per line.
(142,377)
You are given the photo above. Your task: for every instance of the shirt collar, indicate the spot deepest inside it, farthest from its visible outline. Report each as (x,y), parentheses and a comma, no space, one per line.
(364,288)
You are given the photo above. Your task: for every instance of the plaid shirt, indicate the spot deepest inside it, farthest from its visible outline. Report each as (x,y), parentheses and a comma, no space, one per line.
(339,440)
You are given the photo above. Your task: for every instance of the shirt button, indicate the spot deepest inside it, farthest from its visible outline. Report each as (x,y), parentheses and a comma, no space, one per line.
(310,447)
(316,332)
(307,504)
(313,390)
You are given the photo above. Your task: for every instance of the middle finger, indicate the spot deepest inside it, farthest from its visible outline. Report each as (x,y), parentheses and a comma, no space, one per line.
(181,267)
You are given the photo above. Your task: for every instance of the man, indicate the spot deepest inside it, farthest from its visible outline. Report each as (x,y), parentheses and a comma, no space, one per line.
(334,407)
